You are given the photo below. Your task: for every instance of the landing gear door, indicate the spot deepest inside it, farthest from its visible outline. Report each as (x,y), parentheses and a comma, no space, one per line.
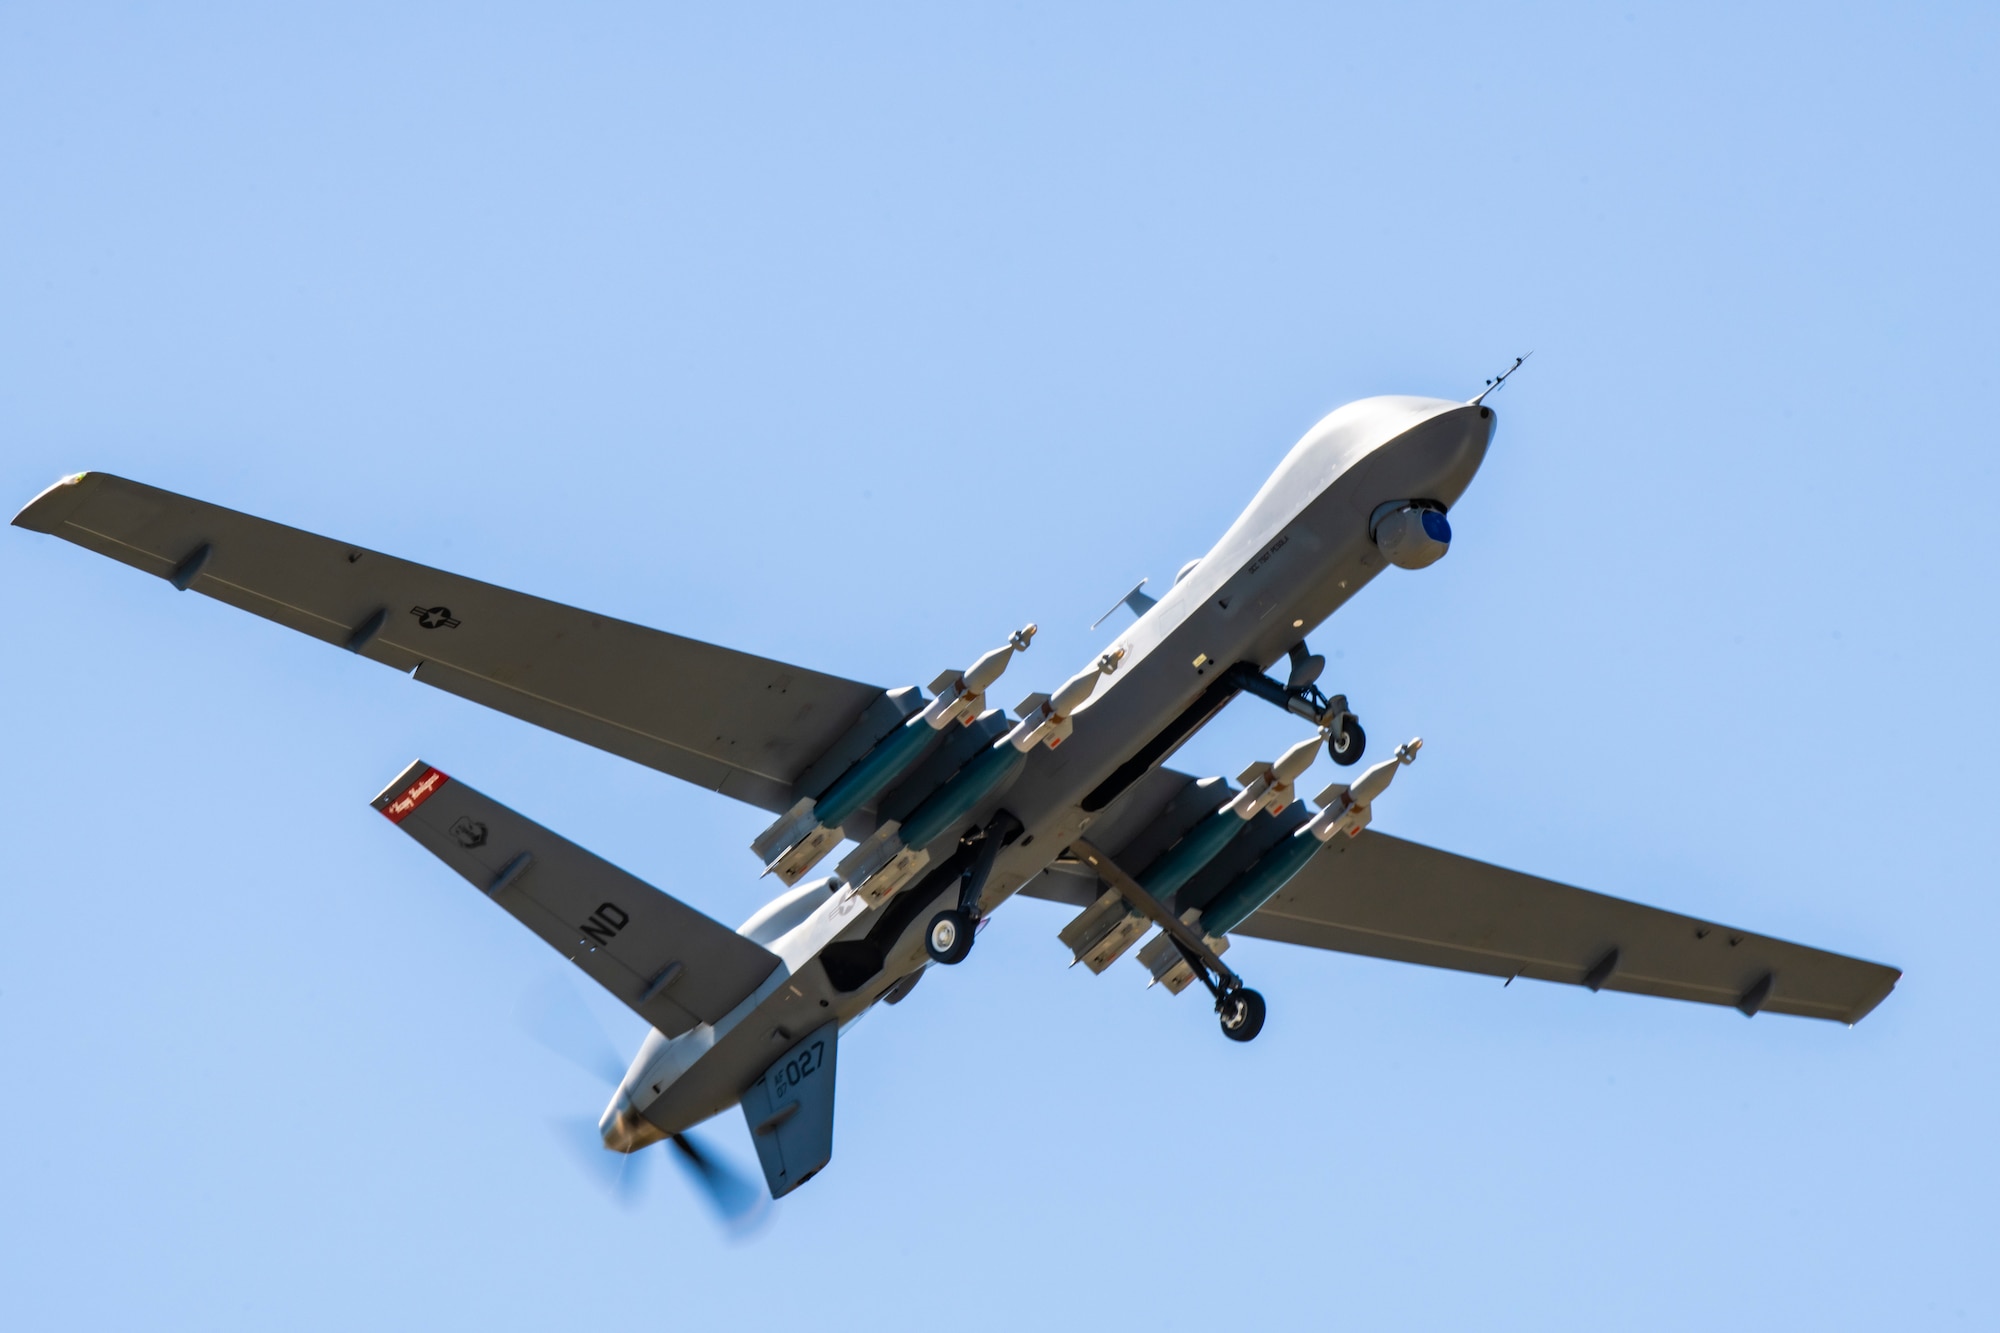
(790,1112)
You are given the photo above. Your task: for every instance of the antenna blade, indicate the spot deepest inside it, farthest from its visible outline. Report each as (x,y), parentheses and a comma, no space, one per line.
(1138,601)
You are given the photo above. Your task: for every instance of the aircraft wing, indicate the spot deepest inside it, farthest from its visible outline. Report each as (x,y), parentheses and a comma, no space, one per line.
(741,725)
(1389,898)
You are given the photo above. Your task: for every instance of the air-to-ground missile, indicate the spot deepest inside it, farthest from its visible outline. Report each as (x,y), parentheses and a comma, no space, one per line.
(1105,929)
(895,853)
(1343,809)
(811,828)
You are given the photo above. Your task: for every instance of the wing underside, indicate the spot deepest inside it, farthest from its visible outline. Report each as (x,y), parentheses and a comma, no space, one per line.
(742,725)
(1385,897)
(1389,898)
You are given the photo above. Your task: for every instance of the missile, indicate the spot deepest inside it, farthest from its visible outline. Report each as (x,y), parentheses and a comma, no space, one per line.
(811,828)
(895,853)
(1345,810)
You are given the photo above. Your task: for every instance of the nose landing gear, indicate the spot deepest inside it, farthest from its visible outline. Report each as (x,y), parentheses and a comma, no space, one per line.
(1345,740)
(1301,696)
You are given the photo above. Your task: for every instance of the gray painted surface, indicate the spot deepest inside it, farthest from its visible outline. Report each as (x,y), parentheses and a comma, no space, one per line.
(742,725)
(624,933)
(789,1111)
(1390,898)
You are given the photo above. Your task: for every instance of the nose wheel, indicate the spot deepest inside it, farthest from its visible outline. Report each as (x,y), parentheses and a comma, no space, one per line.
(1302,697)
(1345,740)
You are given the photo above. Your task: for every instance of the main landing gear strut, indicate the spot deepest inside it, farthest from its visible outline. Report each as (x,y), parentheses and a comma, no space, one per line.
(1240,1009)
(949,938)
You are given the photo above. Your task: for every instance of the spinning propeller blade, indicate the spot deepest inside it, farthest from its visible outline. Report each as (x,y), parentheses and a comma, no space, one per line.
(738,1203)
(555,1016)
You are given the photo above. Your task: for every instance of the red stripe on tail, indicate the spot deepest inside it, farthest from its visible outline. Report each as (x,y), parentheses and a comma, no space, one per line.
(414,795)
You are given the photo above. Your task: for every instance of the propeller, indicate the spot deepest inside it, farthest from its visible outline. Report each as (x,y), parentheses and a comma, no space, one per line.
(739,1204)
(555,1017)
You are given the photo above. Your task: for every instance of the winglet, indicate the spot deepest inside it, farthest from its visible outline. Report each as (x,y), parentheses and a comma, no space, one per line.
(1868,1003)
(46,511)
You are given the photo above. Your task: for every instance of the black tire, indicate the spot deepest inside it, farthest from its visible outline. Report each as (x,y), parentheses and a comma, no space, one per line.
(1347,743)
(949,938)
(1242,1015)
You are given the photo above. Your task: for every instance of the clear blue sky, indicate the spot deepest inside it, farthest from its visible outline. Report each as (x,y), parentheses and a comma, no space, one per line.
(857,338)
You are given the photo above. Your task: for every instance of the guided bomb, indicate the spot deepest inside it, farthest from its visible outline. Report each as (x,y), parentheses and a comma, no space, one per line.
(895,853)
(1343,809)
(1108,927)
(811,828)
(1265,787)
(1347,809)
(1269,786)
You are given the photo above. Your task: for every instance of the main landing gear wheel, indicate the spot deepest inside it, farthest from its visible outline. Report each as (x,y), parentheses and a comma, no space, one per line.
(949,939)
(1346,741)
(1242,1014)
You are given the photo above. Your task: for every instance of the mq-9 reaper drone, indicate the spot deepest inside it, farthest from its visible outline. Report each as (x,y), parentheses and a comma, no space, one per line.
(953,807)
